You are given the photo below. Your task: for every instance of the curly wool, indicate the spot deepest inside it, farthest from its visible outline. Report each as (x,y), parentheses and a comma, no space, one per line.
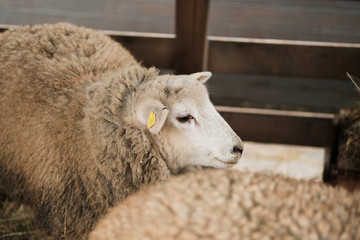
(218,204)
(65,149)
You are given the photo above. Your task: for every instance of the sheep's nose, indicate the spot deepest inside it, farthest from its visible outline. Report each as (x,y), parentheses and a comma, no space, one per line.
(237,150)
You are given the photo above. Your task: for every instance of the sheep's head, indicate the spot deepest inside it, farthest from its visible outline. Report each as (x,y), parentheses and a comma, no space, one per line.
(183,123)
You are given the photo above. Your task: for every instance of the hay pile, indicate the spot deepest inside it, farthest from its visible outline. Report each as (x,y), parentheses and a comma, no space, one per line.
(349,137)
(346,170)
(348,122)
(17,222)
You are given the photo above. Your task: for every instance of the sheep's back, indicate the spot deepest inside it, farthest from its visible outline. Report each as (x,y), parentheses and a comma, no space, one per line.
(64,148)
(40,60)
(234,205)
(44,72)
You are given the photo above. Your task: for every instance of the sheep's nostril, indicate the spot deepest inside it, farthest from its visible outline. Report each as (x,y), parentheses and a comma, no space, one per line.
(237,150)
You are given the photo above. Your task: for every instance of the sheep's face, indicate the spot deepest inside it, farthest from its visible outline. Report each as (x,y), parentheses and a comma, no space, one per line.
(185,125)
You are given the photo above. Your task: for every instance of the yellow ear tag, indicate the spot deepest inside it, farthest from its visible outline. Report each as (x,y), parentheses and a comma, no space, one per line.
(151,120)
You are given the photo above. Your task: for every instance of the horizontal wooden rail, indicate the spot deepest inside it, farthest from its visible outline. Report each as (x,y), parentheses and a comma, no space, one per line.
(284,57)
(249,56)
(275,126)
(253,56)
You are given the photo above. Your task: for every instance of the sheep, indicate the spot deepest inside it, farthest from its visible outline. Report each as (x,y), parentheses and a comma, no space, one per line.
(83,125)
(220,204)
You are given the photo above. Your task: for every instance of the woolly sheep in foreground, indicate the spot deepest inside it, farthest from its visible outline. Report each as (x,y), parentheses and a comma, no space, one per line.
(83,125)
(220,204)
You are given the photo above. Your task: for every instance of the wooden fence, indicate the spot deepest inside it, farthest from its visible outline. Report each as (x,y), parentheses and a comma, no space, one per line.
(192,50)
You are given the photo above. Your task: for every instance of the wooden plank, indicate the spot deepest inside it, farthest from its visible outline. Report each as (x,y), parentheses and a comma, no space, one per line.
(331,157)
(279,57)
(285,127)
(282,92)
(252,56)
(334,21)
(124,15)
(191,35)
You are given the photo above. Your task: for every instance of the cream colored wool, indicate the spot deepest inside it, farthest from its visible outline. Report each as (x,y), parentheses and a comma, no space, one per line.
(83,125)
(219,204)
(66,149)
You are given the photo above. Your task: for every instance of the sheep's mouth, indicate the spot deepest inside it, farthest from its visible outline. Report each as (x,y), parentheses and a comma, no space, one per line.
(230,163)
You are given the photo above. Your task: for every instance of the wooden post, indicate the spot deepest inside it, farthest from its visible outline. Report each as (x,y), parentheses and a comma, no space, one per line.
(191,36)
(331,156)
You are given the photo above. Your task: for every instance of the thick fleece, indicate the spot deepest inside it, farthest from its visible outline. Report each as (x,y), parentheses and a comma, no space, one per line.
(66,149)
(219,204)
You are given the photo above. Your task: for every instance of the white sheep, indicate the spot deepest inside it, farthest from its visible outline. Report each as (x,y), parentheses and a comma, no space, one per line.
(83,125)
(220,204)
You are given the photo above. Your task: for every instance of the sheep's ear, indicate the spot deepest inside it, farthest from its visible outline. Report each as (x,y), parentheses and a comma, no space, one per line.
(152,114)
(201,76)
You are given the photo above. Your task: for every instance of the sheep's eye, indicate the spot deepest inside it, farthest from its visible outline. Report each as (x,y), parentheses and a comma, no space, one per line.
(184,119)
